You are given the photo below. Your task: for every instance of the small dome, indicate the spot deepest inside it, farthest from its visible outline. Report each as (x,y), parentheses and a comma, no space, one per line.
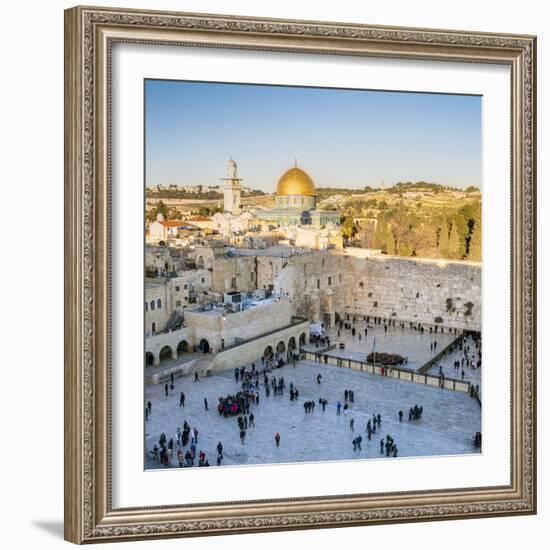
(296,182)
(160,217)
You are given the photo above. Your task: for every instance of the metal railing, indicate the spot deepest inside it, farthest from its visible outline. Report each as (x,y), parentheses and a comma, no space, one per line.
(427,366)
(407,375)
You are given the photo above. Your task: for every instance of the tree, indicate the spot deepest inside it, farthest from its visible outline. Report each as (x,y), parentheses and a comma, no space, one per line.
(425,241)
(474,250)
(159,208)
(390,247)
(454,249)
(443,238)
(349,229)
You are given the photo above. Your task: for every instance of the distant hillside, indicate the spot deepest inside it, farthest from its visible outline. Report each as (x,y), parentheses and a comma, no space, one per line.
(412,219)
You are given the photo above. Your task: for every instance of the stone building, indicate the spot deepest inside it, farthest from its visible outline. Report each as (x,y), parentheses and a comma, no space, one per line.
(296,202)
(310,286)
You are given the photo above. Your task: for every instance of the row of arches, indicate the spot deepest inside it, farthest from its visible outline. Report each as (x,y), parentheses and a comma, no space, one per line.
(281,347)
(168,353)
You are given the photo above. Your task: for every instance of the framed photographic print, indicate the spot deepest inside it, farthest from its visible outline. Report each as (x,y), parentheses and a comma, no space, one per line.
(300,274)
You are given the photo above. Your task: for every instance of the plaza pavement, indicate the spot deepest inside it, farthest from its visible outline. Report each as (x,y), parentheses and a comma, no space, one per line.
(447,427)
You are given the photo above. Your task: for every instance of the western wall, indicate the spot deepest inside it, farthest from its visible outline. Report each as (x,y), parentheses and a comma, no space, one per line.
(431,292)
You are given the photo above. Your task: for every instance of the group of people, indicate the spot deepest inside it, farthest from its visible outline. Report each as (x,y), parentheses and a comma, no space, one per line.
(372,424)
(469,355)
(415,413)
(389,445)
(239,403)
(163,452)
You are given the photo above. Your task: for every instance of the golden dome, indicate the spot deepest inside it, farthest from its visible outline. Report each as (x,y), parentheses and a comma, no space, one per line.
(295,182)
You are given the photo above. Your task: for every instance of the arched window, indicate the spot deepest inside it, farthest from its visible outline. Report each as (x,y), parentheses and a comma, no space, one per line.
(152,305)
(154,328)
(159,304)
(146,306)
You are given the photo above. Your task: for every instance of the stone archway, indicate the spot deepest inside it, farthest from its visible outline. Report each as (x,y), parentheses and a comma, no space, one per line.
(166,354)
(281,347)
(303,339)
(149,359)
(204,346)
(292,344)
(183,347)
(268,352)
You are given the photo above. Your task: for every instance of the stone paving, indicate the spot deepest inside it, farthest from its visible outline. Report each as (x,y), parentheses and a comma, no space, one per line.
(447,427)
(410,343)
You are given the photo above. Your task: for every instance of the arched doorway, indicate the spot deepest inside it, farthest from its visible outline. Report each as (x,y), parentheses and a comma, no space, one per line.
(183,347)
(204,346)
(200,263)
(292,344)
(303,339)
(281,347)
(268,352)
(165,354)
(149,359)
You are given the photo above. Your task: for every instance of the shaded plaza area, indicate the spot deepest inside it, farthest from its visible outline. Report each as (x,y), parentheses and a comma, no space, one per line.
(407,342)
(447,427)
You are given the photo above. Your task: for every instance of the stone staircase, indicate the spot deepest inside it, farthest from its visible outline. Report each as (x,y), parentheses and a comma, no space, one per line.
(202,364)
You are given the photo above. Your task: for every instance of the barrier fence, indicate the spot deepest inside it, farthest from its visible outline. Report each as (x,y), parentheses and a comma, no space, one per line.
(434,360)
(391,372)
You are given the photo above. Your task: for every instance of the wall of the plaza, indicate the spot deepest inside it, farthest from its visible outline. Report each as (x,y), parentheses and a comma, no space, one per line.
(314,283)
(242,325)
(416,290)
(252,351)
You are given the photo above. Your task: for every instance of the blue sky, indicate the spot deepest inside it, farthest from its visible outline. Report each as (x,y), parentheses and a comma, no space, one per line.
(342,138)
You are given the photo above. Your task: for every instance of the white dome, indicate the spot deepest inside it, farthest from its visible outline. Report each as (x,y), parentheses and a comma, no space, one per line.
(160,217)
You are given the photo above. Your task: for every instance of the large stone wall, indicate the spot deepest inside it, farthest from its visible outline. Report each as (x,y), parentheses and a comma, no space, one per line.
(416,290)
(325,284)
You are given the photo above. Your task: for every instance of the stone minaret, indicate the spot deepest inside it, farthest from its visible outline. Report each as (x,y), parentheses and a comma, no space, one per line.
(232,190)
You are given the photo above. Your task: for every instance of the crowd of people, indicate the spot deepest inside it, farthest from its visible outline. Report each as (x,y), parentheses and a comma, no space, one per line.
(467,352)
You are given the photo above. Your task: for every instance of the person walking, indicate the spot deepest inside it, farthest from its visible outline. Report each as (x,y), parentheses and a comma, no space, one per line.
(182,399)
(166,390)
(277,438)
(400,416)
(382,446)
(338,407)
(351,425)
(197,376)
(205,404)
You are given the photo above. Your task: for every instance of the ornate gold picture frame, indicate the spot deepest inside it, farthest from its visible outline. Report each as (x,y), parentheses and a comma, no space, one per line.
(90,34)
